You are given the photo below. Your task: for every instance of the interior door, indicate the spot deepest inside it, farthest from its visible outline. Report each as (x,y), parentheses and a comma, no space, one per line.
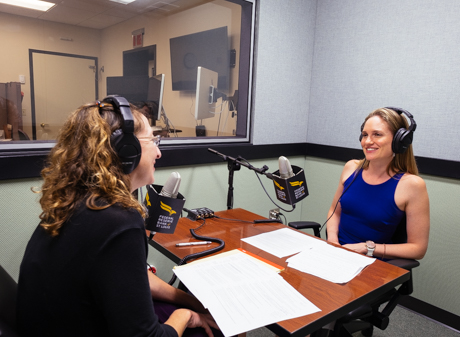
(61,83)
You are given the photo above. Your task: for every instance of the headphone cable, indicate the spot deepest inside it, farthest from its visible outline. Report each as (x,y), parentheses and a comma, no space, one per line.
(338,200)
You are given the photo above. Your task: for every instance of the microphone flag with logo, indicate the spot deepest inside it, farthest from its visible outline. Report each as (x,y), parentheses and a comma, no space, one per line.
(290,183)
(164,205)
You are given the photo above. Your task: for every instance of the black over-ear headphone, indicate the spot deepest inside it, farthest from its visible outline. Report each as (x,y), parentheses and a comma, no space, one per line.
(403,137)
(123,140)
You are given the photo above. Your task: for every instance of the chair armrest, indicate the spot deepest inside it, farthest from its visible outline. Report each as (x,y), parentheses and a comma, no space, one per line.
(404,263)
(306,224)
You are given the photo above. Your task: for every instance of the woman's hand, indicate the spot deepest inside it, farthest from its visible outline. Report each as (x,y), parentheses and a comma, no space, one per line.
(357,247)
(204,321)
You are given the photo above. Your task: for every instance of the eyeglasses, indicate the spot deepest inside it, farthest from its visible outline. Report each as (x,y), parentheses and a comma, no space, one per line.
(154,139)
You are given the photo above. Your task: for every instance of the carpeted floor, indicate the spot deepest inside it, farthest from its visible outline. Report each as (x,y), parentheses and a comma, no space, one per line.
(403,322)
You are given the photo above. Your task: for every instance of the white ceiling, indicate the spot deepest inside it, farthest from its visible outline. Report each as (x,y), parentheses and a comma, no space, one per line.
(100,14)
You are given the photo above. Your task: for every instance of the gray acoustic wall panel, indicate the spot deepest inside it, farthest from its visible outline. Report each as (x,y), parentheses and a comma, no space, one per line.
(371,53)
(284,52)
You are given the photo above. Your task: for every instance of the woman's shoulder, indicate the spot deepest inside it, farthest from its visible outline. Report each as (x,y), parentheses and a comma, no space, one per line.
(349,168)
(352,164)
(113,216)
(413,183)
(412,179)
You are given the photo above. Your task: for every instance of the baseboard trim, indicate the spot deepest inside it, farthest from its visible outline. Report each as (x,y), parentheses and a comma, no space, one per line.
(28,164)
(432,312)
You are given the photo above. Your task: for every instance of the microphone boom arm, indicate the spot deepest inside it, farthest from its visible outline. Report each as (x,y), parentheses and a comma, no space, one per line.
(262,170)
(234,164)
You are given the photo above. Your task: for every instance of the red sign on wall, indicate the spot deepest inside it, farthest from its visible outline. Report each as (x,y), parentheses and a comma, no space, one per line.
(138,38)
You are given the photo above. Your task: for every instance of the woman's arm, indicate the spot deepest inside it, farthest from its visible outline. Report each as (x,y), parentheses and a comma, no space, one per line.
(181,319)
(411,196)
(412,193)
(164,292)
(333,223)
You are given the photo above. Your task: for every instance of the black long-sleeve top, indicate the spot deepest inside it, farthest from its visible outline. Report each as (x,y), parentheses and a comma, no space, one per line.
(90,280)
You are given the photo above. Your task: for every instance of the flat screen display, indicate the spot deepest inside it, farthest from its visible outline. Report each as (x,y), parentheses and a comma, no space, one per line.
(208,49)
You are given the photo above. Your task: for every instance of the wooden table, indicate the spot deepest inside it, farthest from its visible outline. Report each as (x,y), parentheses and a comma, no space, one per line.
(334,300)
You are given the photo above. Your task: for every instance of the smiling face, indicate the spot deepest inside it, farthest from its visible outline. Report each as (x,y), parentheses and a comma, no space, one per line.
(376,140)
(143,174)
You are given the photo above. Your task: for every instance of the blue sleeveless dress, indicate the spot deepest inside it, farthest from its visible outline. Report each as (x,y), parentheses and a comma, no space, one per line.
(369,212)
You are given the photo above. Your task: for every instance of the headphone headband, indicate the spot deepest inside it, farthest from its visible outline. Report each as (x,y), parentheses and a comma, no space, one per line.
(122,105)
(400,111)
(123,141)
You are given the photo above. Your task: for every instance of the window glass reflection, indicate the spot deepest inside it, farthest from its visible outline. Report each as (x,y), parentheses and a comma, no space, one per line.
(179,63)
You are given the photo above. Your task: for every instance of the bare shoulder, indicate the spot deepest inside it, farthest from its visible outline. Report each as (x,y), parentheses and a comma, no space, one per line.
(413,182)
(411,190)
(348,169)
(352,164)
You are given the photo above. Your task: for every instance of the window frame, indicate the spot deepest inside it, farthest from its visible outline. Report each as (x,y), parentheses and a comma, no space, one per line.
(37,150)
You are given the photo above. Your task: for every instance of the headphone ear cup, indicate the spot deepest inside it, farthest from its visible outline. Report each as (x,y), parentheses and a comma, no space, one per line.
(401,141)
(128,149)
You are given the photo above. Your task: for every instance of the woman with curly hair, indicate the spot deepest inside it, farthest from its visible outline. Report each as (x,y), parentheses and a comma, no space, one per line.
(84,269)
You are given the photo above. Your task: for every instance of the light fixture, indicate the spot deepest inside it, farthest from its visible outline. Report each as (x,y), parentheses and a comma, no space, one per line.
(124,2)
(32,4)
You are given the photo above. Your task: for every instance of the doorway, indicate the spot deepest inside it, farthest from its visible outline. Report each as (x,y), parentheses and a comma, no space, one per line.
(60,83)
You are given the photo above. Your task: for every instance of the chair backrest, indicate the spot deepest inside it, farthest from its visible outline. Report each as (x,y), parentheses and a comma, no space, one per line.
(400,235)
(23,135)
(8,291)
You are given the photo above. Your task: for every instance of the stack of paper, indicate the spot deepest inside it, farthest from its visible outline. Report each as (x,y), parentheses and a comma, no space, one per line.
(330,263)
(242,293)
(316,257)
(283,242)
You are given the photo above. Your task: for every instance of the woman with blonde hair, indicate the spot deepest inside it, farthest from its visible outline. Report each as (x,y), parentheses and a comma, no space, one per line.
(84,271)
(378,192)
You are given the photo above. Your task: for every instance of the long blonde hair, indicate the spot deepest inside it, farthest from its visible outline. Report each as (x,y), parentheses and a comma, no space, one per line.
(83,165)
(402,162)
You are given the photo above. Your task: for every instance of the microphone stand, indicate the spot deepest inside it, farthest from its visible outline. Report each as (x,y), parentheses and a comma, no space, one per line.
(234,164)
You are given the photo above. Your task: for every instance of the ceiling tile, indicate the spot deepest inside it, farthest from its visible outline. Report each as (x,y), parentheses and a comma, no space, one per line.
(20,11)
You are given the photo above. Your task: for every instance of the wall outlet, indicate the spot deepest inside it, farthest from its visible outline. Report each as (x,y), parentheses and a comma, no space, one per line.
(274,213)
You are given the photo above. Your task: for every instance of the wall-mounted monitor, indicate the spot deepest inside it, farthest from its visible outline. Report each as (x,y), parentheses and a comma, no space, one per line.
(206,82)
(208,49)
(155,94)
(139,61)
(133,88)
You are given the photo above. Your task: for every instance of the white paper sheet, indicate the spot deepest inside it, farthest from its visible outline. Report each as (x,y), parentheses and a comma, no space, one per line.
(243,294)
(330,263)
(283,242)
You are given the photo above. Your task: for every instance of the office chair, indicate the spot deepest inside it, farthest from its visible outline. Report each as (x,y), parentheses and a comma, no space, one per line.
(23,135)
(369,315)
(8,290)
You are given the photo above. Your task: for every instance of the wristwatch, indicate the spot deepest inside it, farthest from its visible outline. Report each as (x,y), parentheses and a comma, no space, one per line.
(370,247)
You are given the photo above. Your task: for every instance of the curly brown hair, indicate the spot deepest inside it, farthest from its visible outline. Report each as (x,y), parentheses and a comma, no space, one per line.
(82,165)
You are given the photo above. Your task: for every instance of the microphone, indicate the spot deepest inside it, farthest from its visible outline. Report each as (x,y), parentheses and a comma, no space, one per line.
(289,181)
(285,168)
(171,187)
(164,206)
